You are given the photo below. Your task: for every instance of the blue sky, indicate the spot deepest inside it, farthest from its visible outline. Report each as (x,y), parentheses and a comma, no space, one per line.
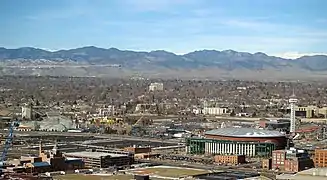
(276,27)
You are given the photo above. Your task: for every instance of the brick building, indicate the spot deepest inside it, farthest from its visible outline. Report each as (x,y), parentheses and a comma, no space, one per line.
(320,158)
(292,160)
(278,159)
(138,150)
(266,164)
(230,159)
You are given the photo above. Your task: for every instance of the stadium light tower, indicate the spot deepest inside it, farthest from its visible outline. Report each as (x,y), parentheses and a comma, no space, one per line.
(292,102)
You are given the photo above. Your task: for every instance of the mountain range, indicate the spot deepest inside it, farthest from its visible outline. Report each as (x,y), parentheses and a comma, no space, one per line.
(89,59)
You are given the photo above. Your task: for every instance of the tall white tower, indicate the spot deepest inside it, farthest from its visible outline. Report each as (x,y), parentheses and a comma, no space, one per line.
(292,102)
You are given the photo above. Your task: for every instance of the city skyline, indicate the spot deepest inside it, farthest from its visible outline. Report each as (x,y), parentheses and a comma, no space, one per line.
(287,29)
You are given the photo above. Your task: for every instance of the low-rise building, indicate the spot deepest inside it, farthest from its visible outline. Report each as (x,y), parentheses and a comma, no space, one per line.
(279,124)
(138,150)
(311,111)
(292,160)
(230,159)
(320,158)
(101,159)
(156,87)
(74,163)
(266,164)
(278,159)
(214,111)
(38,167)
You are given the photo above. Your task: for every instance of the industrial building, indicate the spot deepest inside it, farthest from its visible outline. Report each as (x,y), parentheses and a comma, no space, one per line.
(215,146)
(230,159)
(320,158)
(46,161)
(101,159)
(248,135)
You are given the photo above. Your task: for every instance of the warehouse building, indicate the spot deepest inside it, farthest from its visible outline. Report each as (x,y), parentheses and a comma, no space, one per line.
(101,159)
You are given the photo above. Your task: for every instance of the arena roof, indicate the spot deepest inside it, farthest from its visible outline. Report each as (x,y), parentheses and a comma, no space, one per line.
(244,132)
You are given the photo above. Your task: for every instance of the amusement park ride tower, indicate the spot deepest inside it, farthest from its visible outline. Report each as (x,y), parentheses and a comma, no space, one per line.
(292,102)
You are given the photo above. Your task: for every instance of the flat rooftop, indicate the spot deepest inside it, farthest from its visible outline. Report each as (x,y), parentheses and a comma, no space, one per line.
(86,154)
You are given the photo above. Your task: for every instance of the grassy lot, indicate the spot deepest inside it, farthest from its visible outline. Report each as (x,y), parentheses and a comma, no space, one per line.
(169,172)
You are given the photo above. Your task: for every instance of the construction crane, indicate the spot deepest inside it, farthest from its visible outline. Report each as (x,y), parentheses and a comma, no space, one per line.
(8,142)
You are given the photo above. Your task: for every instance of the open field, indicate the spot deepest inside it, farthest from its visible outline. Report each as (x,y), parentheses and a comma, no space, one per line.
(172,172)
